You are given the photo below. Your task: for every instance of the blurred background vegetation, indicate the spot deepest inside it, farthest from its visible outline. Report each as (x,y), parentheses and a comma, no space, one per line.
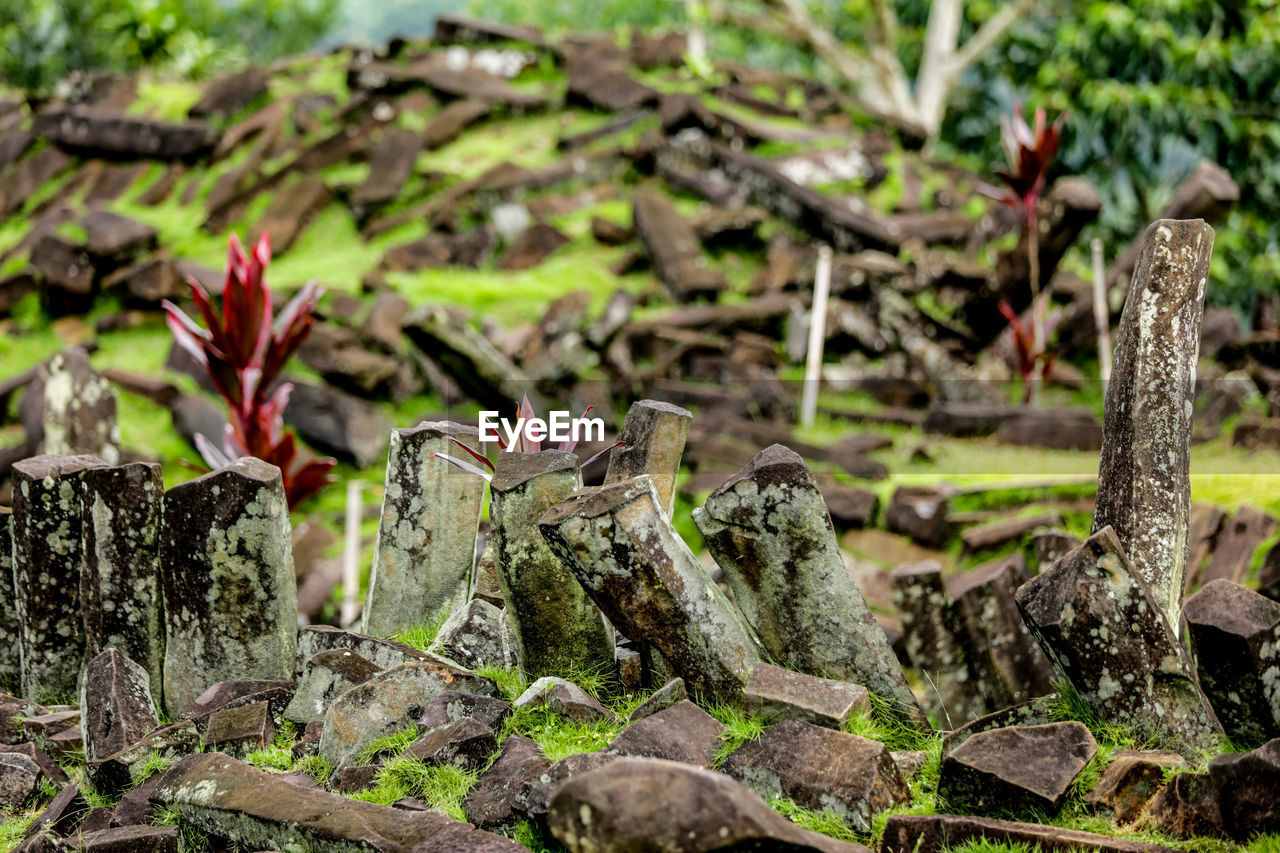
(1150,86)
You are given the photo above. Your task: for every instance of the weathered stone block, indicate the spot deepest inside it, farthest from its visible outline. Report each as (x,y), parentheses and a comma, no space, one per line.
(477,634)
(327,676)
(116,705)
(780,694)
(1019,768)
(655,434)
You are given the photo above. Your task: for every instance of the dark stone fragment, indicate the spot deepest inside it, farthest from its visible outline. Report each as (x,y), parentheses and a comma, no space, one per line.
(490,804)
(684,732)
(1016,769)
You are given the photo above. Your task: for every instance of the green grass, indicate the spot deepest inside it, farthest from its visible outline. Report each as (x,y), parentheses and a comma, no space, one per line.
(442,787)
(739,727)
(824,822)
(389,745)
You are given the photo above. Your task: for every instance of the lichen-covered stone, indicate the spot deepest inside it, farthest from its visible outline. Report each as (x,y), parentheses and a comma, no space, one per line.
(1037,712)
(120,583)
(426,546)
(640,572)
(240,730)
(648,804)
(564,698)
(79,411)
(236,694)
(477,634)
(936,643)
(491,803)
(1016,769)
(664,697)
(821,769)
(451,706)
(385,654)
(47,560)
(1129,782)
(778,694)
(935,833)
(1235,634)
(655,434)
(1096,620)
(19,779)
(116,705)
(10,650)
(230,598)
(1144,486)
(260,811)
(327,676)
(558,628)
(769,531)
(390,702)
(466,743)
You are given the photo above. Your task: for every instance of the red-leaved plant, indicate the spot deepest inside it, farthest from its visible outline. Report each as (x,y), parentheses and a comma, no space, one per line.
(1030,150)
(244,349)
(522,444)
(1024,348)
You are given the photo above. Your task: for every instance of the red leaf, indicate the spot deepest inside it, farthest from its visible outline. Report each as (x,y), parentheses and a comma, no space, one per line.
(479,457)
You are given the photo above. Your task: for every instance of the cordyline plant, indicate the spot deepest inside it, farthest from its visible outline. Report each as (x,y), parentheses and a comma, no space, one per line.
(522,444)
(244,349)
(1030,150)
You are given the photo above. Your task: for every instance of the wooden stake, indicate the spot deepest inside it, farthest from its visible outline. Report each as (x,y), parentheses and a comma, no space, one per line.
(817,337)
(351,555)
(1101,311)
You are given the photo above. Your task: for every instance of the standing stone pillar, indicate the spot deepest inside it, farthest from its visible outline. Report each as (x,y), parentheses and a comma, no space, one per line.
(120,582)
(426,548)
(655,434)
(1098,622)
(47,556)
(935,643)
(79,414)
(1144,487)
(559,631)
(769,531)
(635,566)
(230,599)
(10,648)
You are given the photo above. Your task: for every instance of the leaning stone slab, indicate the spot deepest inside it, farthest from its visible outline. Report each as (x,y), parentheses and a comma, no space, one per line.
(821,769)
(1144,486)
(644,804)
(116,706)
(1097,621)
(564,698)
(120,581)
(635,566)
(1016,769)
(1235,634)
(47,559)
(466,743)
(426,547)
(10,651)
(669,694)
(1037,712)
(779,694)
(936,833)
(655,434)
(769,531)
(558,628)
(326,677)
(384,654)
(236,694)
(229,799)
(389,702)
(477,634)
(227,549)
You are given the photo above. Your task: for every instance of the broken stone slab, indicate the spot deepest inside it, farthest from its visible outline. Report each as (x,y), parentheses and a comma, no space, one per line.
(227,548)
(1016,769)
(19,779)
(382,653)
(1245,785)
(326,676)
(235,694)
(130,839)
(1235,636)
(777,694)
(821,769)
(564,698)
(390,165)
(48,766)
(117,773)
(291,211)
(490,804)
(1099,625)
(640,803)
(921,513)
(120,578)
(606,86)
(683,732)
(61,816)
(768,529)
(47,559)
(426,547)
(1002,654)
(390,702)
(1144,486)
(617,542)
(10,627)
(1236,543)
(112,136)
(936,833)
(466,743)
(673,246)
(78,412)
(240,730)
(482,372)
(477,634)
(227,95)
(338,423)
(232,800)
(654,434)
(1003,531)
(1130,781)
(558,628)
(531,247)
(935,642)
(116,703)
(67,277)
(115,240)
(1050,545)
(451,706)
(664,697)
(449,123)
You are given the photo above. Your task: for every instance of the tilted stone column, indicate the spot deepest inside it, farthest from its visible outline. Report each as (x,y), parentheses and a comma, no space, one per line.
(47,559)
(1098,622)
(558,629)
(120,582)
(1144,486)
(10,644)
(655,434)
(769,531)
(426,549)
(629,558)
(230,598)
